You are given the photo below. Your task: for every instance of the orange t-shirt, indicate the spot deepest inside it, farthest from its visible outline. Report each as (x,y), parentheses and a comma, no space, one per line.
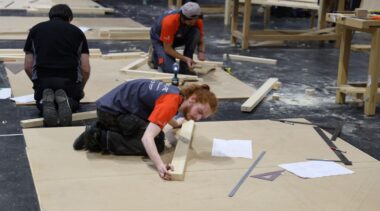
(165,109)
(170,25)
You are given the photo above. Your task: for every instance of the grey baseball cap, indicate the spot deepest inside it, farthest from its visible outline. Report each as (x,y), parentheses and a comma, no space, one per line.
(191,10)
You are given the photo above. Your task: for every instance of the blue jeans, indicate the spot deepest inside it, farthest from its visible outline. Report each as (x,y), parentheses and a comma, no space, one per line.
(186,36)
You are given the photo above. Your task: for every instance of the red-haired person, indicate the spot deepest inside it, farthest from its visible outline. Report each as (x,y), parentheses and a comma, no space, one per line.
(131,118)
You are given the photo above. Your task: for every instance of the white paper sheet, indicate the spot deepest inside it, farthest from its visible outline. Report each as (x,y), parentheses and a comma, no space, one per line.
(84,28)
(315,169)
(232,148)
(24,99)
(5,93)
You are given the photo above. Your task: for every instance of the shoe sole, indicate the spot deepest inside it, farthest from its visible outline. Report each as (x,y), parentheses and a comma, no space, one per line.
(64,110)
(48,109)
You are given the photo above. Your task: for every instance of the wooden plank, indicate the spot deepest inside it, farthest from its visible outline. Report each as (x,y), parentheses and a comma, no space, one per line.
(123,55)
(246,24)
(260,37)
(250,59)
(344,55)
(38,122)
(257,96)
(361,47)
(130,33)
(158,74)
(135,64)
(285,3)
(179,160)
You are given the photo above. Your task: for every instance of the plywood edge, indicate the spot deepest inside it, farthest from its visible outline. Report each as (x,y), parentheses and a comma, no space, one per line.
(181,151)
(250,59)
(258,95)
(38,122)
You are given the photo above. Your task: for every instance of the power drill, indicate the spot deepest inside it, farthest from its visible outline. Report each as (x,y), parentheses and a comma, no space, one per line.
(175,80)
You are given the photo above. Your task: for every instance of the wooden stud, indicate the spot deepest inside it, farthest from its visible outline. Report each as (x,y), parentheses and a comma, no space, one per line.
(258,95)
(310,92)
(154,74)
(234,20)
(250,59)
(38,122)
(373,75)
(123,55)
(136,64)
(361,47)
(179,160)
(246,24)
(345,49)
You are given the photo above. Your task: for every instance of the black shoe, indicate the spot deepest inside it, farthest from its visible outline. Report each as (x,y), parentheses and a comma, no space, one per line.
(64,110)
(89,140)
(49,112)
(150,60)
(79,142)
(92,138)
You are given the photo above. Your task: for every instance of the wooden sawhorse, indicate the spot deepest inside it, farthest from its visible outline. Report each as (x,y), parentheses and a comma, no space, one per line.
(347,24)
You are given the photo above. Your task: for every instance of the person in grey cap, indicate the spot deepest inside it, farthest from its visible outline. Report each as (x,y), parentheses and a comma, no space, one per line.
(183,27)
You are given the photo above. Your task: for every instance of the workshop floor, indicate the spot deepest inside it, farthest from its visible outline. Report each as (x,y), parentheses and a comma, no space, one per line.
(300,65)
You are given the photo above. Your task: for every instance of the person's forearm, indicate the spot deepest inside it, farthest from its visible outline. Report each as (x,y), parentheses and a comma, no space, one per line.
(86,76)
(169,50)
(151,150)
(201,46)
(28,65)
(29,72)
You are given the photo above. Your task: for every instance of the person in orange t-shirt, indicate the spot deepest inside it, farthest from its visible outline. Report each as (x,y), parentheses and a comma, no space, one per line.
(183,27)
(131,118)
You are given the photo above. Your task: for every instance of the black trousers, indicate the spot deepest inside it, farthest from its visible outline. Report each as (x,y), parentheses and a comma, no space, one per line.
(74,90)
(122,134)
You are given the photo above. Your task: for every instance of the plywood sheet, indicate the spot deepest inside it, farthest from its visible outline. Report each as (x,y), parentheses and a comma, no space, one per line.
(43,6)
(18,27)
(105,75)
(71,180)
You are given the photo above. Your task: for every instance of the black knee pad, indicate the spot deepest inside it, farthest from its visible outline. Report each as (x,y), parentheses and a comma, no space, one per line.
(160,141)
(130,124)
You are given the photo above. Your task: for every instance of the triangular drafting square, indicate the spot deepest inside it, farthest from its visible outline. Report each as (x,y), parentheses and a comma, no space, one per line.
(270,176)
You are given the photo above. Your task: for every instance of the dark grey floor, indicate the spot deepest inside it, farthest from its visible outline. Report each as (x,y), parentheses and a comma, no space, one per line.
(301,65)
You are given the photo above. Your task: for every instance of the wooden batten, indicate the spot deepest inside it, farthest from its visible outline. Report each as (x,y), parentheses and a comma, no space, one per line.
(250,59)
(258,95)
(181,151)
(38,122)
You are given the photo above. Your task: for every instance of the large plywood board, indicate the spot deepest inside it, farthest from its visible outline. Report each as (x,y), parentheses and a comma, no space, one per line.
(76,180)
(43,6)
(18,27)
(105,76)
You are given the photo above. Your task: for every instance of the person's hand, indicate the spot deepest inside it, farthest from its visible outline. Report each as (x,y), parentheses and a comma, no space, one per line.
(201,56)
(163,171)
(190,62)
(180,121)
